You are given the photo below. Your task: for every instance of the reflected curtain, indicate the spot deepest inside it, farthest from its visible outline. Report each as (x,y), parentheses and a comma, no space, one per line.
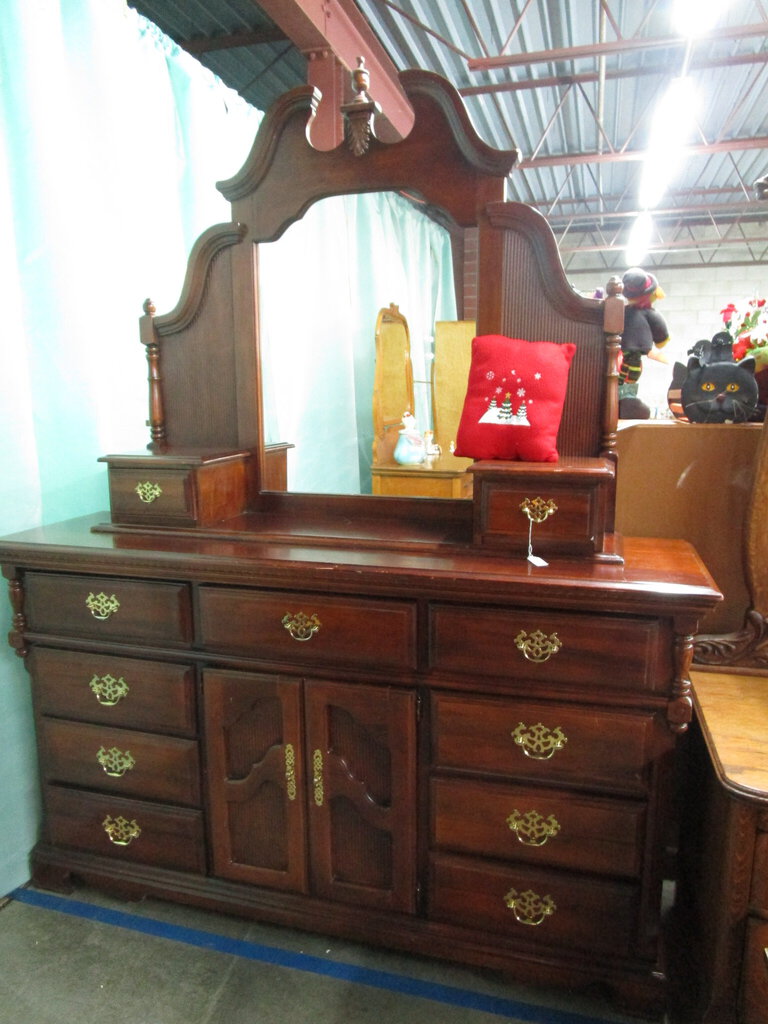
(321,287)
(111,141)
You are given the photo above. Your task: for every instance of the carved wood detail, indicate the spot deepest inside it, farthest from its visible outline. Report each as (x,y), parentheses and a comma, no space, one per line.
(680,708)
(747,648)
(204,252)
(19,622)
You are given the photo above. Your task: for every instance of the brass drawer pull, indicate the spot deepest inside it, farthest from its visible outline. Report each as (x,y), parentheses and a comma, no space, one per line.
(537,509)
(537,741)
(108,690)
(317,777)
(531,828)
(100,606)
(528,907)
(148,492)
(537,646)
(120,831)
(115,762)
(290,771)
(301,626)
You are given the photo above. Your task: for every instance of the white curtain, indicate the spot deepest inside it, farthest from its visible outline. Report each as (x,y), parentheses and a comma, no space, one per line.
(322,285)
(111,141)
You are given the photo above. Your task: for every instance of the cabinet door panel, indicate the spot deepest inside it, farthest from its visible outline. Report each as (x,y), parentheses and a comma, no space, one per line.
(254,737)
(361,751)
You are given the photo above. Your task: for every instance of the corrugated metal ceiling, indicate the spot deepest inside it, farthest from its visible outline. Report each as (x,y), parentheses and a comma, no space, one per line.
(573,84)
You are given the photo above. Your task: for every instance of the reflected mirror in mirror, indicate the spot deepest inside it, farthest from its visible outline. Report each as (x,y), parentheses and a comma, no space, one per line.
(322,285)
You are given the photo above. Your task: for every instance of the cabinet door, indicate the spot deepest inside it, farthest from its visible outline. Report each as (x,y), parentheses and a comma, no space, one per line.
(254,740)
(361,755)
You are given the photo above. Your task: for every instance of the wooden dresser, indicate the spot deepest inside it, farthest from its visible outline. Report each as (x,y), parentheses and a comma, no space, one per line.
(446,752)
(418,722)
(724,877)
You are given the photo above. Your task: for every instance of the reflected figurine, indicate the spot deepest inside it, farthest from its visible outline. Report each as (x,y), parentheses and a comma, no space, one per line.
(410,449)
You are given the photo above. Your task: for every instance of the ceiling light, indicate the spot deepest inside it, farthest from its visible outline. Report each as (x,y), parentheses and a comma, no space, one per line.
(696,17)
(673,121)
(639,240)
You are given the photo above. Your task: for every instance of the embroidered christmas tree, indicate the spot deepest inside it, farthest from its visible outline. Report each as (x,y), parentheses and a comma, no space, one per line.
(504,415)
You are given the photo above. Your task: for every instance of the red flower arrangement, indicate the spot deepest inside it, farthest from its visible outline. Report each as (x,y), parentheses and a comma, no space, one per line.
(747,324)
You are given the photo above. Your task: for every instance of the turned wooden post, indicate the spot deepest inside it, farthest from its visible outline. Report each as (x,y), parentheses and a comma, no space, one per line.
(613,326)
(148,335)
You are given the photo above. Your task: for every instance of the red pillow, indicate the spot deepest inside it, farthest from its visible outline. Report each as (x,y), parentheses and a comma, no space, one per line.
(514,399)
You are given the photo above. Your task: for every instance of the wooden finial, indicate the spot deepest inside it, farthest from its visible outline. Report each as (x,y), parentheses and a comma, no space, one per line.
(360,112)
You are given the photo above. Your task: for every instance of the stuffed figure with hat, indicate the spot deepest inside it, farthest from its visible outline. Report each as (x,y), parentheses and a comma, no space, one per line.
(644,331)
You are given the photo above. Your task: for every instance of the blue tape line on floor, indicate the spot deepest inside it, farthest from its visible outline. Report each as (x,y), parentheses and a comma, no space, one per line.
(335,969)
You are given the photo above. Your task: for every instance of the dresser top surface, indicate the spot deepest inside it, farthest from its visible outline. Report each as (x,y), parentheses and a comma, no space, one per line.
(657,575)
(732,710)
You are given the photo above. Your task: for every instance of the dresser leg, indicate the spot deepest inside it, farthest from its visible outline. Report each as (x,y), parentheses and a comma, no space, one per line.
(52,877)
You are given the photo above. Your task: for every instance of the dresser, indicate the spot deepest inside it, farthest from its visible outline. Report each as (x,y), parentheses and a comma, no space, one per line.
(438,750)
(723,904)
(446,726)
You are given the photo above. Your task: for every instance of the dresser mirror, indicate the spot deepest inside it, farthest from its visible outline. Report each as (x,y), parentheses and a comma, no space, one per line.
(268,328)
(355,255)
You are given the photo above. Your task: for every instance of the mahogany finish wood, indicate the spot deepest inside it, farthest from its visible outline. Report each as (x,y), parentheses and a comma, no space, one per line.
(723,903)
(369,717)
(412,692)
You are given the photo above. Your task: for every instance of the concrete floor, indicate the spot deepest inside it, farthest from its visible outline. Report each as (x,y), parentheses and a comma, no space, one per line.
(90,959)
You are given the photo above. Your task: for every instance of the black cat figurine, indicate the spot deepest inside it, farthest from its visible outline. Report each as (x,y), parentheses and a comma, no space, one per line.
(714,388)
(724,392)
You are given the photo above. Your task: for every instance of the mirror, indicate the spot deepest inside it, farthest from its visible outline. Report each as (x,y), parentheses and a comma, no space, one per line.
(353,256)
(274,331)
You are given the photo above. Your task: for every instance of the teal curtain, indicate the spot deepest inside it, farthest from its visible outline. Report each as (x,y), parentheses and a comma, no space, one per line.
(322,285)
(111,141)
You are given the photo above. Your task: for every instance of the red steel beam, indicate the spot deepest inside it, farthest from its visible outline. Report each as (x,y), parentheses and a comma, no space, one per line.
(624,156)
(587,77)
(320,26)
(607,48)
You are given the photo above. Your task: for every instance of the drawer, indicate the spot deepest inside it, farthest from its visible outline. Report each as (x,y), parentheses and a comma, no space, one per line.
(137,494)
(182,488)
(541,645)
(121,761)
(536,908)
(548,743)
(108,608)
(168,837)
(149,695)
(309,629)
(538,826)
(575,494)
(754,983)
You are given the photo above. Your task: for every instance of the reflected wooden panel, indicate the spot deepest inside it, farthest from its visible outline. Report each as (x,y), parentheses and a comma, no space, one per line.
(444,476)
(453,353)
(392,381)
